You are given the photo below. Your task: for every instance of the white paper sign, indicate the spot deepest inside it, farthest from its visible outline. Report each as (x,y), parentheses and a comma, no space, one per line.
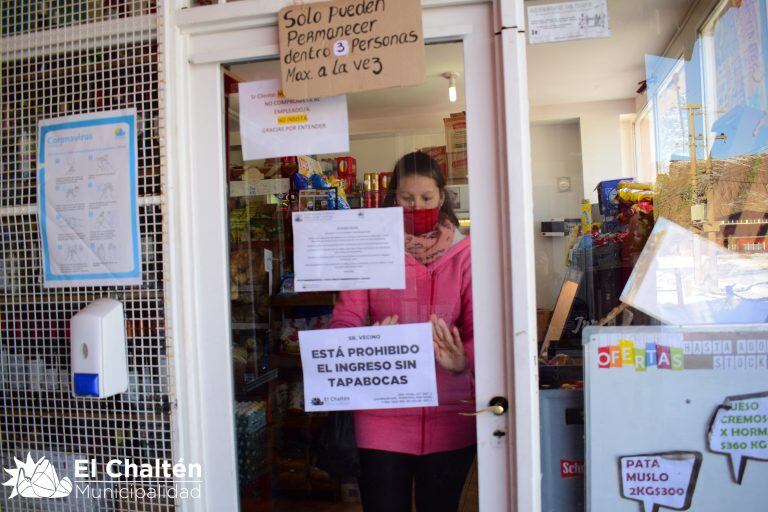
(566,21)
(380,367)
(662,479)
(349,250)
(87,189)
(273,126)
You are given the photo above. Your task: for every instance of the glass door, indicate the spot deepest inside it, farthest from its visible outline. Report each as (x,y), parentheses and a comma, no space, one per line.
(407,149)
(414,149)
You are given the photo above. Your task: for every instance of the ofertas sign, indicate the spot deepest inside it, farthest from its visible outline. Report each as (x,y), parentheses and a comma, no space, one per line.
(379,367)
(343,46)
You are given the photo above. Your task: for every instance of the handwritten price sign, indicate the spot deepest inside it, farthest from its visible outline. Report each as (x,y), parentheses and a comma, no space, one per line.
(660,479)
(739,429)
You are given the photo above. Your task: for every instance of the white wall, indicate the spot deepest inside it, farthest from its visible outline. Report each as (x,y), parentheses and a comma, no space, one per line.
(555,152)
(380,153)
(601,137)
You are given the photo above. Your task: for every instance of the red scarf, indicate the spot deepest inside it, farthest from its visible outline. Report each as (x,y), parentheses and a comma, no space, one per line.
(428,247)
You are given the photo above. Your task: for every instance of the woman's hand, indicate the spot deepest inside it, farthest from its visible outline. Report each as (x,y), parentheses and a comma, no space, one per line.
(390,320)
(449,350)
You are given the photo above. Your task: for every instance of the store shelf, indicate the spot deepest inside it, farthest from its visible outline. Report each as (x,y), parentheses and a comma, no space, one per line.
(303,299)
(285,360)
(258,244)
(302,420)
(261,380)
(249,326)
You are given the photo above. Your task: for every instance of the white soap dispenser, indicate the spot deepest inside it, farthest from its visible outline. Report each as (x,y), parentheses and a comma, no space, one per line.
(99,356)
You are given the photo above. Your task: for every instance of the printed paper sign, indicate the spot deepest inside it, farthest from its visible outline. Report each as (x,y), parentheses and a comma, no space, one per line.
(349,250)
(739,429)
(379,367)
(660,479)
(272,125)
(566,21)
(87,190)
(346,46)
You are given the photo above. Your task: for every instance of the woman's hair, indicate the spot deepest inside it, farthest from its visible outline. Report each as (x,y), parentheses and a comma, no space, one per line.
(421,164)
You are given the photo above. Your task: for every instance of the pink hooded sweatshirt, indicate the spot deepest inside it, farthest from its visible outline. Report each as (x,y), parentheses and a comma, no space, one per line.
(444,288)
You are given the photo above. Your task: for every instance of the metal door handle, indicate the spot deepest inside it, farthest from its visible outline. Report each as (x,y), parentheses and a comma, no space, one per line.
(498,406)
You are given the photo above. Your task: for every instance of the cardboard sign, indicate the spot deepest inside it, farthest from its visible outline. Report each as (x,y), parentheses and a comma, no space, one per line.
(343,46)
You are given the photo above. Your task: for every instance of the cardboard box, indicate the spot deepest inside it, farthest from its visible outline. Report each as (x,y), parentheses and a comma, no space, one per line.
(438,154)
(456,147)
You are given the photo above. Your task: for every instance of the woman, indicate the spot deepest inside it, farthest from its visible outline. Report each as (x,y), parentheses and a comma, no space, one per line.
(429,448)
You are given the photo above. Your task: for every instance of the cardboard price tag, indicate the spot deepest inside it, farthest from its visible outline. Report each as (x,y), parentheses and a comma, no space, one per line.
(343,46)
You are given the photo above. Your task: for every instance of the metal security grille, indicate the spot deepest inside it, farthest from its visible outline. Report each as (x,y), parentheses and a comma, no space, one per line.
(63,57)
(23,16)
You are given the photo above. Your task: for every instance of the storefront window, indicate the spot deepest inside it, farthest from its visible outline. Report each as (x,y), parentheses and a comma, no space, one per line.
(407,150)
(662,293)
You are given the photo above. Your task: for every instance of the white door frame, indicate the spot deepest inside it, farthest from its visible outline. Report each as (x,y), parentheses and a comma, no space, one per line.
(203,38)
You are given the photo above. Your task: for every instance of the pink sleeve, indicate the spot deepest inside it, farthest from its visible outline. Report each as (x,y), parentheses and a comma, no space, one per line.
(351,310)
(467,322)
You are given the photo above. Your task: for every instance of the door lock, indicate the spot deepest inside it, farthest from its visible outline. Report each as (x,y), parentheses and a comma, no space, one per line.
(498,406)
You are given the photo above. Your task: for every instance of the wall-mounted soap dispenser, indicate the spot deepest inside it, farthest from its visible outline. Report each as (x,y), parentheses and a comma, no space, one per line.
(99,357)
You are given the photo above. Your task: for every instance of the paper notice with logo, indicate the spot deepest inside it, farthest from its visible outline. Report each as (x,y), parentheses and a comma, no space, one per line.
(272,125)
(329,48)
(379,367)
(567,21)
(87,198)
(362,249)
(739,429)
(660,480)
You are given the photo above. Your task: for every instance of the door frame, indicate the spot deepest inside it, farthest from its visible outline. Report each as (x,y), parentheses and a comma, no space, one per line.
(200,40)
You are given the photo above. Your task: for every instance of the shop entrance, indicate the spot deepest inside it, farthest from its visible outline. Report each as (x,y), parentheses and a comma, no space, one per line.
(252,382)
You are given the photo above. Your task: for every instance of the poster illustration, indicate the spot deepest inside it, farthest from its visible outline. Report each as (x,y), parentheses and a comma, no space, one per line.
(87,199)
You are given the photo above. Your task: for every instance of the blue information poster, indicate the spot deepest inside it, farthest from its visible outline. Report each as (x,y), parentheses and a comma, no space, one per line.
(87,199)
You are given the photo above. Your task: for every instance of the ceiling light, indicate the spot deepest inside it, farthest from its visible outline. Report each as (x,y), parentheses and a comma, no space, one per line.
(451,77)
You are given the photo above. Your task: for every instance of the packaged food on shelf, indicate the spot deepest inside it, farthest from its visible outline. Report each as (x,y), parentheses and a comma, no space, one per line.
(439,155)
(286,284)
(347,171)
(247,282)
(251,420)
(289,332)
(607,196)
